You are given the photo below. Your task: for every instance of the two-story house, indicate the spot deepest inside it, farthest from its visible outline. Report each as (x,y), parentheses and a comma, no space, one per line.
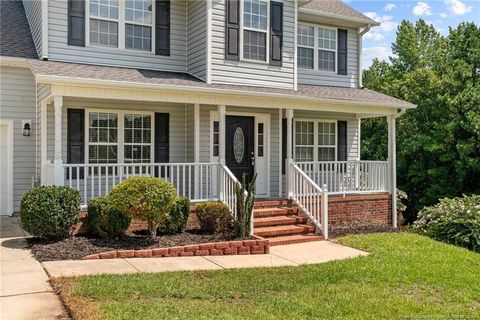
(197,92)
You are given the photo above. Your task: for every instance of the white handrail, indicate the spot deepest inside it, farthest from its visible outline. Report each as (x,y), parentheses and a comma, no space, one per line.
(192,180)
(309,197)
(349,176)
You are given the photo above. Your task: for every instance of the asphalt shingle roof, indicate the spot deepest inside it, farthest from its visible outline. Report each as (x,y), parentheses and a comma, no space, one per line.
(94,72)
(337,7)
(15,36)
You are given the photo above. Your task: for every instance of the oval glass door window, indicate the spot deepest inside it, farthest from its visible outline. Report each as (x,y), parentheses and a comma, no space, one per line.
(238,145)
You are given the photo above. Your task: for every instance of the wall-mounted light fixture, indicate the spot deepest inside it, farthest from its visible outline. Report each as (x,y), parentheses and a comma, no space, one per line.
(27,128)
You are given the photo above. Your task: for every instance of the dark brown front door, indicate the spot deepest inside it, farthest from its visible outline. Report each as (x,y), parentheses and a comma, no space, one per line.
(239,149)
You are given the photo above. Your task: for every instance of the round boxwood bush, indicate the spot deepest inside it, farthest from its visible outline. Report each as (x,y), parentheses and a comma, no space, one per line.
(50,212)
(214,217)
(145,198)
(455,221)
(176,222)
(104,220)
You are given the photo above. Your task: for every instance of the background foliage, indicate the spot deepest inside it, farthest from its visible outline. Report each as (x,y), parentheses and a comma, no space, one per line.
(438,143)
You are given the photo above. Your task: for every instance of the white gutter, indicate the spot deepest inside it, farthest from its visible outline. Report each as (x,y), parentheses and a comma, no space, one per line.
(338,17)
(51,79)
(13,62)
(360,39)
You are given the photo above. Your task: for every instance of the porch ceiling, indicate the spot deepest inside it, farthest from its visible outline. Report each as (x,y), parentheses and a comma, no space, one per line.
(91,81)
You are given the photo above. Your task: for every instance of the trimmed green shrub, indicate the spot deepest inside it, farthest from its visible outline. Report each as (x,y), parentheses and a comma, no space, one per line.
(455,221)
(177,220)
(214,217)
(104,220)
(145,198)
(50,212)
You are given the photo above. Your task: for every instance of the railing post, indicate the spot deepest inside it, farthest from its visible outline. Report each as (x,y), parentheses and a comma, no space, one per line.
(324,211)
(58,163)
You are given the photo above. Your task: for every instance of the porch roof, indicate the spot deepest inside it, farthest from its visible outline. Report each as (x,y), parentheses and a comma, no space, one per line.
(62,72)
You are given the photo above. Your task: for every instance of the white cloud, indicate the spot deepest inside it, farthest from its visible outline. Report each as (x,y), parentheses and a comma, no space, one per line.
(387,25)
(457,7)
(423,9)
(443,14)
(368,54)
(390,6)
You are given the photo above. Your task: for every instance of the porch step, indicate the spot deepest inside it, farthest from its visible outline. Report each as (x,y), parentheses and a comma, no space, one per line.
(288,230)
(278,221)
(272,212)
(299,238)
(271,203)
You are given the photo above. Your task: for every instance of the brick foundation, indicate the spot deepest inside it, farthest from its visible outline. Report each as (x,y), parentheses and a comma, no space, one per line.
(203,249)
(371,207)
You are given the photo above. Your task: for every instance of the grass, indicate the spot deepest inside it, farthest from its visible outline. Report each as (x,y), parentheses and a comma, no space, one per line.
(406,276)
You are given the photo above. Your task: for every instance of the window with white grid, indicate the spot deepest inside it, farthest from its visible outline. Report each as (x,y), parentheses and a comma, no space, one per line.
(104,23)
(304,141)
(255,29)
(327,46)
(216,138)
(326,141)
(137,138)
(306,46)
(138,29)
(102,137)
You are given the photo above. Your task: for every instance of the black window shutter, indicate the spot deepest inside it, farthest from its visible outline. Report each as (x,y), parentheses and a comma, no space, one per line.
(342,141)
(342,52)
(76,23)
(162,27)
(162,139)
(276,34)
(232,29)
(76,138)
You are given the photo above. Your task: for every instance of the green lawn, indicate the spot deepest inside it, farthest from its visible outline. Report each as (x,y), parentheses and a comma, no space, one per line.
(406,276)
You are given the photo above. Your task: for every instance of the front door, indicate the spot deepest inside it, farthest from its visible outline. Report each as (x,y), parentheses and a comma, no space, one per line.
(240,146)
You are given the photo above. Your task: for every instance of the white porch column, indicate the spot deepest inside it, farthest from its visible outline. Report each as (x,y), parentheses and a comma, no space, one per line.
(58,163)
(393,167)
(289,114)
(196,144)
(43,144)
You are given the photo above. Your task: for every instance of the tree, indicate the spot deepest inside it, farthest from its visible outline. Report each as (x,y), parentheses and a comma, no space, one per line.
(438,143)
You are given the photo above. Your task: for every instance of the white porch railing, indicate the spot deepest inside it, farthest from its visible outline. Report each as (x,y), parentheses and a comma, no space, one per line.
(309,197)
(348,176)
(192,180)
(227,194)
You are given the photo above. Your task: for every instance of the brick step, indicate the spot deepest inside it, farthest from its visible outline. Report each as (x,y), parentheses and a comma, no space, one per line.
(277,231)
(299,238)
(278,221)
(266,203)
(272,212)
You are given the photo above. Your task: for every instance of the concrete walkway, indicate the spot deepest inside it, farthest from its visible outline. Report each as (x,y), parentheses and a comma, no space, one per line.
(25,292)
(288,255)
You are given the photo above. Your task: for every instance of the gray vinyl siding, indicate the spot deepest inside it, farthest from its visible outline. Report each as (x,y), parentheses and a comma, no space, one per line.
(59,50)
(33,11)
(17,103)
(251,73)
(197,39)
(190,133)
(325,78)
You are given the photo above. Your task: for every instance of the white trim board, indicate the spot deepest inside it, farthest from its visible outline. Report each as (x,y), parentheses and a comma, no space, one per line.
(9,125)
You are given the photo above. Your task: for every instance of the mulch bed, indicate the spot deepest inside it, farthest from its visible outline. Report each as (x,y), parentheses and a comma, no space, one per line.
(75,248)
(343,228)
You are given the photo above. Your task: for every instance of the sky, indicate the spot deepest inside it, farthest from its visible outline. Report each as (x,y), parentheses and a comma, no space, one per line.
(441,13)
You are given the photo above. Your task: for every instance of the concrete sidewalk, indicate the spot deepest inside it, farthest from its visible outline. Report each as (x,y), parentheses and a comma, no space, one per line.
(25,292)
(288,255)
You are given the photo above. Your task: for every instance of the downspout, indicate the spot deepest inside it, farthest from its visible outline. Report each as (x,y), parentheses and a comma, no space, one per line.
(360,35)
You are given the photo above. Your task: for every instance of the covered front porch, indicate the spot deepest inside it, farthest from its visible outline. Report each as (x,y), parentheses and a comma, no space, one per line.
(96,133)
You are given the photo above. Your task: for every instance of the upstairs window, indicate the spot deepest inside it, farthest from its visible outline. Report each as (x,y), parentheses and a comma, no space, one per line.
(316,47)
(255,29)
(121,24)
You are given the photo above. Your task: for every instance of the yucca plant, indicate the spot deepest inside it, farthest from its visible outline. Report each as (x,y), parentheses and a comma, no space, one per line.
(245,193)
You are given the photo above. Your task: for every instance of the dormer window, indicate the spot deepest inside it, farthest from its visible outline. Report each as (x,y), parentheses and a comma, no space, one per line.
(121,24)
(317,47)
(255,30)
